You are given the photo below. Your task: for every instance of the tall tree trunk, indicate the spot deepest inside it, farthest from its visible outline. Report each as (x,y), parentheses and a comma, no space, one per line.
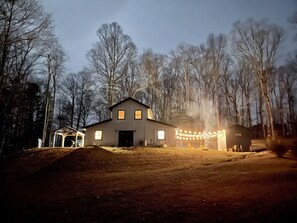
(72,111)
(47,103)
(268,103)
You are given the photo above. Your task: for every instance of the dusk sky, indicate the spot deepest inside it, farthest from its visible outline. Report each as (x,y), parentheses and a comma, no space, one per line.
(158,24)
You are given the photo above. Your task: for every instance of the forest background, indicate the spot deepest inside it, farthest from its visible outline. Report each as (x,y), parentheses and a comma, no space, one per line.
(234,78)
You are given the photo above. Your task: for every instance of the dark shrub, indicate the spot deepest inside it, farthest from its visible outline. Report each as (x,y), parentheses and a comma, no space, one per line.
(293,148)
(277,147)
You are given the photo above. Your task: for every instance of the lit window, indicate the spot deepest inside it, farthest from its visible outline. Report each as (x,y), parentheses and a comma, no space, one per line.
(98,135)
(137,114)
(161,134)
(121,115)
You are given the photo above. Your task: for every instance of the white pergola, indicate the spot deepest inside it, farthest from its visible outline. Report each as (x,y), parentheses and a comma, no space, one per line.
(69,131)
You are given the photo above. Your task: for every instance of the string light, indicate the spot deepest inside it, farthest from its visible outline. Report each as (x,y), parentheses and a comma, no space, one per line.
(188,135)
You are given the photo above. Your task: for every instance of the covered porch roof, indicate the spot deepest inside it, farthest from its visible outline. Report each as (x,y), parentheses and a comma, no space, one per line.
(69,131)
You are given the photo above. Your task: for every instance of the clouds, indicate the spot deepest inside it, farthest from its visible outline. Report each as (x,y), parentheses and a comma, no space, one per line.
(156,24)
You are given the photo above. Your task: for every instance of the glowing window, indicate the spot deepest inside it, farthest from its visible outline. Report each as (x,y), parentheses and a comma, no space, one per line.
(121,114)
(138,114)
(161,134)
(98,135)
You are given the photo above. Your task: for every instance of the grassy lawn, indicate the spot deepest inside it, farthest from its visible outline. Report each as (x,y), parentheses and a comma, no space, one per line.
(147,185)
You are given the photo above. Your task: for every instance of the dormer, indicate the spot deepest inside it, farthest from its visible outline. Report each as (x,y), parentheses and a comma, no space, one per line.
(130,109)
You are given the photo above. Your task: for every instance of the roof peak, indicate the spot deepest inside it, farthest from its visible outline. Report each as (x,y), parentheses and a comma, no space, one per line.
(126,99)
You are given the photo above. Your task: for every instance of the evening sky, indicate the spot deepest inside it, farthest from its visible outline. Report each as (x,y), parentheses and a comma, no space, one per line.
(159,24)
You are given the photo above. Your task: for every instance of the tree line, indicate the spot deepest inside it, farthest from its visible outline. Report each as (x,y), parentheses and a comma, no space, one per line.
(226,80)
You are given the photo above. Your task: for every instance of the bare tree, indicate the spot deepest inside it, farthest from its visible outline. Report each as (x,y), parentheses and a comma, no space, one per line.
(290,84)
(24,27)
(110,58)
(258,42)
(71,87)
(101,109)
(132,80)
(246,83)
(85,98)
(216,47)
(77,96)
(55,59)
(186,68)
(151,67)
(232,98)
(169,93)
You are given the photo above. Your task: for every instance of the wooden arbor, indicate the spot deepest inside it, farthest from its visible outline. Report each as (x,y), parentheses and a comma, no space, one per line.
(69,131)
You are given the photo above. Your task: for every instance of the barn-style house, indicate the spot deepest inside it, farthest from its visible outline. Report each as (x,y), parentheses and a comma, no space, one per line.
(131,124)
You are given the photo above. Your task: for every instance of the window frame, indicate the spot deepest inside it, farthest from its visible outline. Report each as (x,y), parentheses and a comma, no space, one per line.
(138,110)
(118,112)
(164,134)
(98,139)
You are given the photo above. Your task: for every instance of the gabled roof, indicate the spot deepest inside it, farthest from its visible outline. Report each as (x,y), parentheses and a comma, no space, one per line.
(97,123)
(127,99)
(163,123)
(67,130)
(238,126)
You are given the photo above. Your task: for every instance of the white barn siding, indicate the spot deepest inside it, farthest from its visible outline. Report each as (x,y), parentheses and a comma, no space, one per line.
(143,129)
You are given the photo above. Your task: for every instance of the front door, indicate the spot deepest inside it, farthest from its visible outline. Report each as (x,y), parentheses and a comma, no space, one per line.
(125,138)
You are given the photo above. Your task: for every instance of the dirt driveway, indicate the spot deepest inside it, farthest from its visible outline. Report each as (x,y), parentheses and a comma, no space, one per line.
(148,185)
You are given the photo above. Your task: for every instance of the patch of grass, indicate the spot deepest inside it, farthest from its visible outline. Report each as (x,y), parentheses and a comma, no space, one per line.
(41,162)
